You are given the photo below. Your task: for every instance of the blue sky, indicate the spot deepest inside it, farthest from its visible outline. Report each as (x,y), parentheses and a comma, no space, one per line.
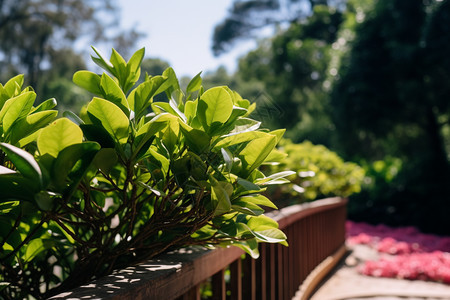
(180,32)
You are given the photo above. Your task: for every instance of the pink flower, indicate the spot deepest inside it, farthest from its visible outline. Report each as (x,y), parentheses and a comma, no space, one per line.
(412,255)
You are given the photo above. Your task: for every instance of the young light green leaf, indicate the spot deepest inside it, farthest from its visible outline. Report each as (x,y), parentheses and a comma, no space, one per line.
(112,92)
(46,105)
(26,126)
(278,133)
(197,140)
(214,107)
(102,62)
(261,222)
(190,110)
(120,66)
(275,157)
(88,81)
(194,84)
(12,84)
(16,108)
(57,136)
(133,69)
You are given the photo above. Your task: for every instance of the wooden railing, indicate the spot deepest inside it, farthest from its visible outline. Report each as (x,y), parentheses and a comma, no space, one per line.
(315,231)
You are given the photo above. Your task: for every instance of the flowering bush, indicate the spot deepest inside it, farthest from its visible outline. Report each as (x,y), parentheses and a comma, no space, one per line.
(319,173)
(406,252)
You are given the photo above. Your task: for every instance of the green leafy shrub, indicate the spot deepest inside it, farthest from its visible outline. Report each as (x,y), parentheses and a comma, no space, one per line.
(127,179)
(319,172)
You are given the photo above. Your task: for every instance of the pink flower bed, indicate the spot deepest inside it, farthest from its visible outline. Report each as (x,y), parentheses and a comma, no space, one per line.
(406,252)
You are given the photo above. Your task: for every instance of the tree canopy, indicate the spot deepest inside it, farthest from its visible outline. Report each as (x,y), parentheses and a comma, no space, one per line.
(248,16)
(36,35)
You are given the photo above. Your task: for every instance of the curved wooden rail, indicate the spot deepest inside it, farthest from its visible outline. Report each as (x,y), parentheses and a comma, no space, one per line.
(315,231)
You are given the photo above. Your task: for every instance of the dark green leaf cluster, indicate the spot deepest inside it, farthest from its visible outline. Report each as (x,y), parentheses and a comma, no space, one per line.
(127,179)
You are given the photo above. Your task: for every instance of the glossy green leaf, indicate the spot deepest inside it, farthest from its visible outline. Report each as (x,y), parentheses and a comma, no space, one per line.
(30,124)
(190,110)
(13,85)
(172,83)
(120,66)
(171,107)
(256,152)
(278,133)
(102,62)
(275,157)
(133,69)
(271,236)
(88,81)
(257,200)
(112,92)
(46,105)
(24,162)
(197,140)
(214,108)
(110,117)
(240,138)
(141,97)
(150,129)
(195,84)
(57,136)
(16,108)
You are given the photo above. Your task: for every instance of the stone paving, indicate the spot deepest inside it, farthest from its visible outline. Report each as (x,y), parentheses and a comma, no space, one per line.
(345,283)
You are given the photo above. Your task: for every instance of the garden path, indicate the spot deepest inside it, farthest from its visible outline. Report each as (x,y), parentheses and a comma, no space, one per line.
(345,283)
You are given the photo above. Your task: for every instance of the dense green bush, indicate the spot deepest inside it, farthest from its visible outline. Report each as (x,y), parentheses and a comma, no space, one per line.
(127,179)
(319,173)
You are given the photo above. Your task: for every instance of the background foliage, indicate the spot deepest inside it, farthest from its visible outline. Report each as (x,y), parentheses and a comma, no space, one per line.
(319,173)
(369,80)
